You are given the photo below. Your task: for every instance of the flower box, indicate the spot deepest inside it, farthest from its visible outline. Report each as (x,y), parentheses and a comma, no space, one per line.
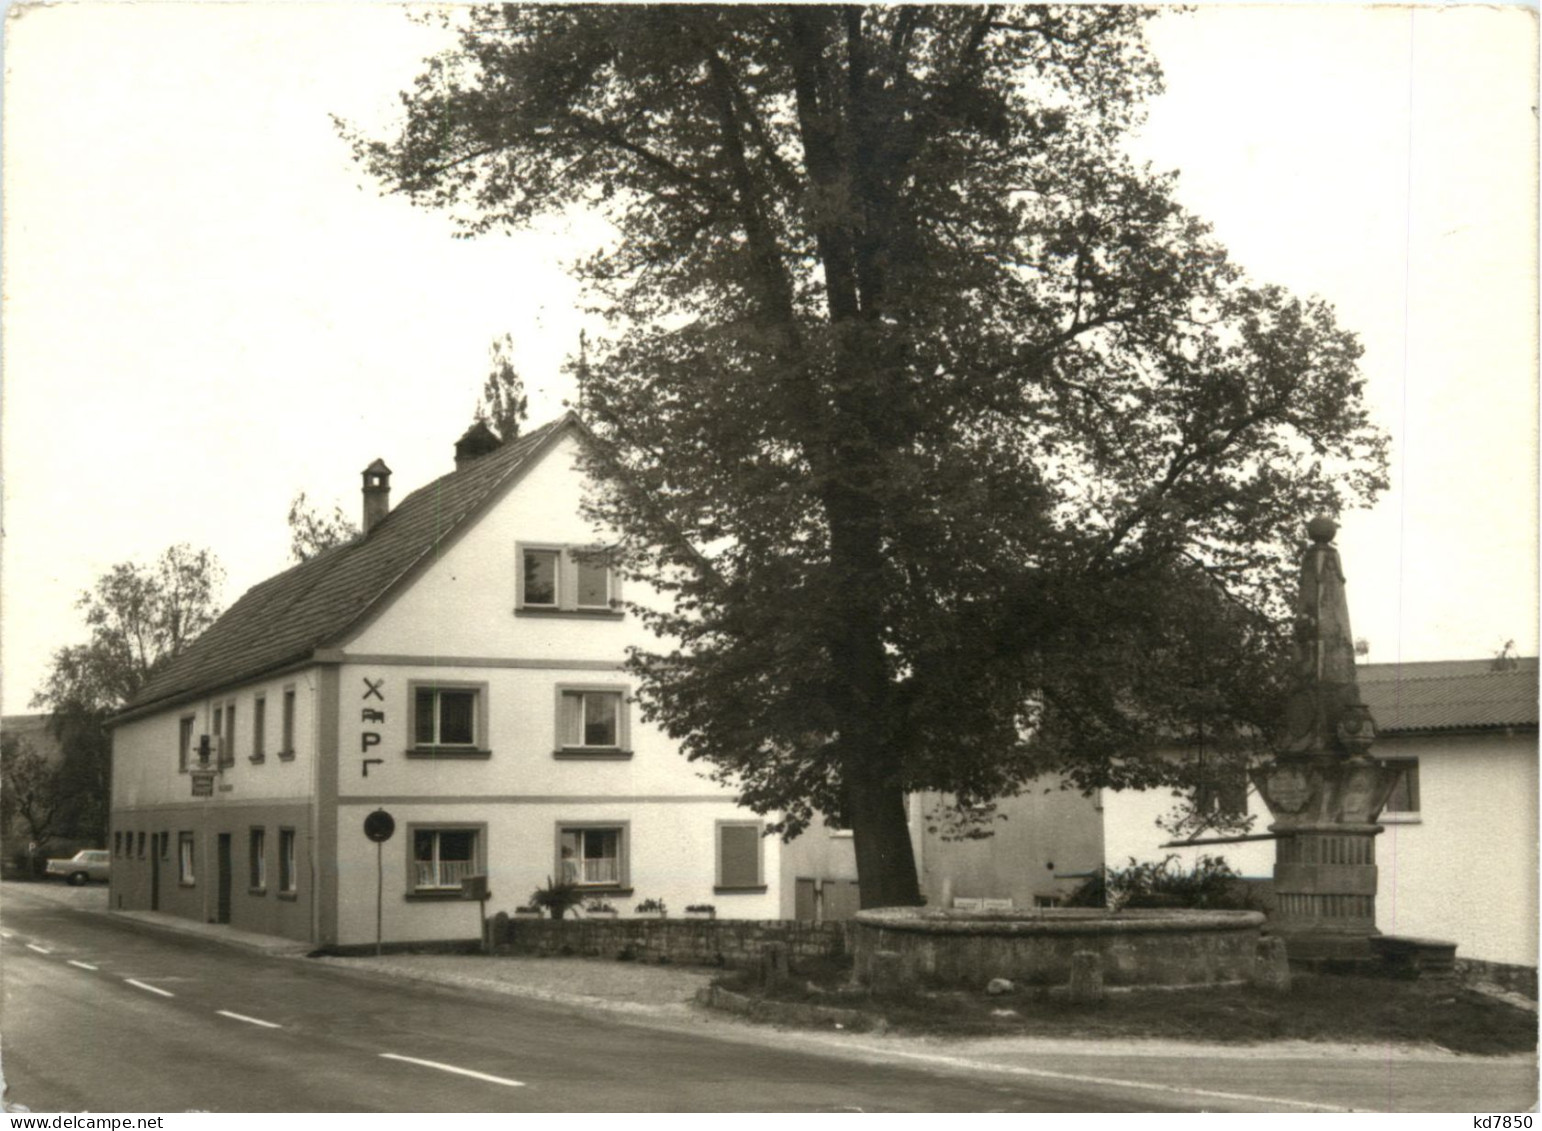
(647,915)
(527,913)
(689,914)
(611,914)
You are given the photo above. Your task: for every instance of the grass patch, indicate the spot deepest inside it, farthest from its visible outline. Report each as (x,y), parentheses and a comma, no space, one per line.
(1318,1008)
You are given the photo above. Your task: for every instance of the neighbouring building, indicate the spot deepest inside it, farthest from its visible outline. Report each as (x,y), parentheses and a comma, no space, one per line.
(1458,858)
(457,665)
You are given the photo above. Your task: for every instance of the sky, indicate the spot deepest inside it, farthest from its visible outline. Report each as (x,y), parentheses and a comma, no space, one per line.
(208,307)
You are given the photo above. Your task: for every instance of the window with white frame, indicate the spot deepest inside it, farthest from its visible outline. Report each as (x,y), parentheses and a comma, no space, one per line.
(259,728)
(443,857)
(449,717)
(288,878)
(591,718)
(592,855)
(228,747)
(187,873)
(579,579)
(740,856)
(288,724)
(1403,803)
(185,740)
(257,859)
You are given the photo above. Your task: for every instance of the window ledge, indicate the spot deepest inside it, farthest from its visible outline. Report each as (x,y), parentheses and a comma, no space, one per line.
(429,896)
(186,884)
(592,754)
(290,896)
(1400,819)
(755,889)
(579,614)
(256,891)
(286,755)
(472,752)
(257,759)
(604,889)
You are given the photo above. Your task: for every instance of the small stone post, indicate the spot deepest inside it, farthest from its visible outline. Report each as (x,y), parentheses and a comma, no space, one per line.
(1271,969)
(1086,977)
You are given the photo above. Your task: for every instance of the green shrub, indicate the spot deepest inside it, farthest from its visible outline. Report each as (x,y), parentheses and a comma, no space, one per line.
(1211,885)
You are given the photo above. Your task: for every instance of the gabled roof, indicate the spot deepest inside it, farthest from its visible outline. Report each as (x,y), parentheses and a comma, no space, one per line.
(282,621)
(1450,695)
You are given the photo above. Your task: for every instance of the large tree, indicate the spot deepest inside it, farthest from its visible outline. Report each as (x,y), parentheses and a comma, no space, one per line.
(503,403)
(312,531)
(964,453)
(140,616)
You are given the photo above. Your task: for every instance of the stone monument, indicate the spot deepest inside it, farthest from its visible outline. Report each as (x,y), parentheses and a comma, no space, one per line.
(1323,789)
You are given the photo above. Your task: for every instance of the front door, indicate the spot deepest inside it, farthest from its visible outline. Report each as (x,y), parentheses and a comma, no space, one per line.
(222,914)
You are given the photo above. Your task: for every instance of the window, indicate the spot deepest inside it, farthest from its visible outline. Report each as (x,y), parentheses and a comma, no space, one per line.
(257,859)
(449,720)
(141,852)
(1223,788)
(740,856)
(165,846)
(228,747)
(288,878)
(187,874)
(591,719)
(592,855)
(117,844)
(259,728)
(540,578)
(443,857)
(288,748)
(573,579)
(184,740)
(1403,804)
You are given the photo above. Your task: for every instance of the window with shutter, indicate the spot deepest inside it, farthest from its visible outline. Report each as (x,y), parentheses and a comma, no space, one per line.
(739,856)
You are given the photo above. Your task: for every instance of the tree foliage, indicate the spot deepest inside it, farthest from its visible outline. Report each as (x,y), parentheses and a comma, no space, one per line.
(963,451)
(504,405)
(311,531)
(140,616)
(35,790)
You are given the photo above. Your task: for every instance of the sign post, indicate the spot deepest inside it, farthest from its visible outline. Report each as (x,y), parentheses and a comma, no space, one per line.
(379,826)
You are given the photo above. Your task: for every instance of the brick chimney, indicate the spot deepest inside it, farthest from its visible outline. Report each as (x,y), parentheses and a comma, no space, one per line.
(477,441)
(377,494)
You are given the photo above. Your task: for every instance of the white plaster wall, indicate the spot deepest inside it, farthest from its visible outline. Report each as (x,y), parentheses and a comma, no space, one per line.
(1130,830)
(1467,871)
(145,758)
(463,605)
(672,853)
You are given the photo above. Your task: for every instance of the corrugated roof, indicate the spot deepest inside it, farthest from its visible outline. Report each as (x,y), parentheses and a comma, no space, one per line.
(285,619)
(1450,695)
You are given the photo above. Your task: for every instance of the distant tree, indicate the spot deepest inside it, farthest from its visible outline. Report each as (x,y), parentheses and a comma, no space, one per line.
(37,794)
(965,454)
(311,531)
(1505,659)
(140,616)
(504,405)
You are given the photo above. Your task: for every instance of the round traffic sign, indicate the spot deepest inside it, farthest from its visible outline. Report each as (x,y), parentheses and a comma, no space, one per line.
(379,826)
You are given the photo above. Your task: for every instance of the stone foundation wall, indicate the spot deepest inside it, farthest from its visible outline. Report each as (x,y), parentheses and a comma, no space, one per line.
(696,942)
(1517,979)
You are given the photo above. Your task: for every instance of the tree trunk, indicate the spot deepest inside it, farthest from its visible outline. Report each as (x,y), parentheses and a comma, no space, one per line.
(886,862)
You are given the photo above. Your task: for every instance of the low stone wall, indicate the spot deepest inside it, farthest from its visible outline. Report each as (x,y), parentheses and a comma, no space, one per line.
(911,946)
(697,942)
(1517,979)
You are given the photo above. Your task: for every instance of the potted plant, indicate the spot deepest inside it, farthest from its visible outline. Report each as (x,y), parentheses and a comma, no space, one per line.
(599,909)
(527,913)
(701,911)
(557,899)
(651,909)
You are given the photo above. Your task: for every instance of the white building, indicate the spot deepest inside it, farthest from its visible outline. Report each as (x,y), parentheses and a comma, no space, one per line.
(458,666)
(1458,860)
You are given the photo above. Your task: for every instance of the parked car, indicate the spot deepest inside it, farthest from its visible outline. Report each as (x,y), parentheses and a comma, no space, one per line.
(87,864)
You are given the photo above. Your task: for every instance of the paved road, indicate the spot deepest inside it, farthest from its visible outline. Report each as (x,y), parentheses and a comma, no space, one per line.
(100,1016)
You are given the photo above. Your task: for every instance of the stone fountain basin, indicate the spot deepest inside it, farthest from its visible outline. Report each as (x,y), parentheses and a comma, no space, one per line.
(928,947)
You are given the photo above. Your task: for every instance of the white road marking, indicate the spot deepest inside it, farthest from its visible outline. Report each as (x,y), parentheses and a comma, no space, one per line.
(7,935)
(39,949)
(249,1020)
(152,989)
(82,965)
(452,1068)
(1081,1078)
